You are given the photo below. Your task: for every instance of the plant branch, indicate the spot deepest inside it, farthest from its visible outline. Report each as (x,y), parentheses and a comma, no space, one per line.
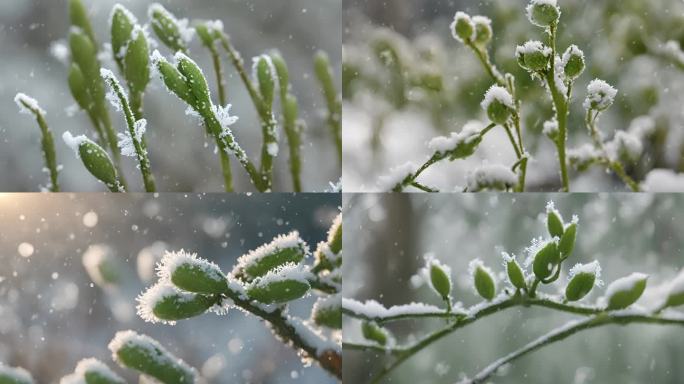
(48,145)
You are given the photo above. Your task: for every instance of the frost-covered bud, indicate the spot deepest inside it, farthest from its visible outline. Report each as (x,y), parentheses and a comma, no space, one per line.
(458,145)
(335,235)
(146,355)
(265,76)
(567,242)
(79,87)
(102,266)
(327,312)
(675,295)
(573,62)
(554,222)
(195,80)
(543,13)
(515,273)
(172,32)
(286,283)
(533,56)
(137,61)
(190,273)
(582,278)
(483,30)
(439,277)
(373,332)
(14,375)
(282,250)
(498,104)
(209,31)
(122,22)
(95,159)
(625,291)
(172,78)
(600,95)
(92,371)
(462,28)
(164,303)
(328,254)
(545,258)
(491,177)
(483,279)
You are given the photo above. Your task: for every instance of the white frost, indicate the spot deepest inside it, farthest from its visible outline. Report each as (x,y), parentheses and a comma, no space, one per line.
(281,242)
(28,105)
(624,284)
(91,365)
(458,17)
(532,46)
(663,180)
(371,309)
(289,271)
(600,95)
(18,374)
(396,176)
(593,268)
(156,294)
(470,132)
(171,261)
(497,93)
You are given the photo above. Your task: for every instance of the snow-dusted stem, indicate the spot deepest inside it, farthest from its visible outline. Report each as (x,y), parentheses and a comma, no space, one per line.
(270,141)
(136,137)
(569,330)
(560,104)
(48,145)
(616,167)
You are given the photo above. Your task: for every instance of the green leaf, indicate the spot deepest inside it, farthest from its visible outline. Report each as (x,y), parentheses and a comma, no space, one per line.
(79,18)
(204,278)
(79,88)
(137,63)
(265,77)
(278,291)
(554,223)
(122,25)
(440,280)
(626,291)
(182,306)
(546,260)
(281,70)
(579,286)
(567,242)
(373,332)
(196,81)
(484,283)
(84,54)
(167,28)
(515,274)
(174,80)
(328,315)
(274,260)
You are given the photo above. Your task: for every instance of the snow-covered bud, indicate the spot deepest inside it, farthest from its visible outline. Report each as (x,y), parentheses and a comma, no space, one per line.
(515,273)
(282,250)
(625,291)
(92,371)
(483,279)
(554,222)
(498,104)
(190,273)
(164,303)
(483,30)
(327,312)
(546,257)
(533,56)
(195,80)
(172,78)
(286,283)
(600,95)
(583,277)
(373,332)
(335,235)
(573,62)
(265,76)
(543,13)
(439,277)
(567,242)
(462,28)
(137,61)
(146,355)
(14,375)
(172,32)
(675,295)
(209,31)
(95,159)
(122,22)
(491,177)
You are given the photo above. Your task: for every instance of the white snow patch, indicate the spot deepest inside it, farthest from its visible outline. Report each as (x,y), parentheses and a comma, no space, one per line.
(470,132)
(624,284)
(593,268)
(600,95)
(20,375)
(285,272)
(396,176)
(156,294)
(497,93)
(60,51)
(371,309)
(272,149)
(491,176)
(663,180)
(27,104)
(171,261)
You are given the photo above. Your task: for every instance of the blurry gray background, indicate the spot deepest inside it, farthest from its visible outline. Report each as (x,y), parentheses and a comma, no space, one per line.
(180,162)
(387,236)
(51,315)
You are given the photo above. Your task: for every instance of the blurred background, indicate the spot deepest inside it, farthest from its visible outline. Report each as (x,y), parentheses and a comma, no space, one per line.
(31,29)
(433,85)
(52,314)
(625,233)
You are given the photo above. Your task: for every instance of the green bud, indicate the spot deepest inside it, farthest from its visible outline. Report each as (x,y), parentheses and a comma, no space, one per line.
(171,32)
(483,30)
(14,375)
(675,297)
(583,277)
(122,23)
(625,291)
(92,371)
(181,306)
(498,104)
(291,110)
(193,274)
(327,312)
(515,273)
(567,242)
(195,80)
(554,223)
(483,279)
(173,79)
(281,251)
(440,281)
(373,332)
(462,28)
(205,35)
(84,53)
(281,70)
(277,291)
(543,13)
(324,75)
(533,56)
(146,355)
(265,77)
(335,235)
(545,260)
(95,159)
(79,18)
(137,62)
(573,62)
(79,88)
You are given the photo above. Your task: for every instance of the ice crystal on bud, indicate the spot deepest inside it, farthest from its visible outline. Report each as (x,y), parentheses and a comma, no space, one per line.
(225,118)
(600,95)
(543,13)
(533,55)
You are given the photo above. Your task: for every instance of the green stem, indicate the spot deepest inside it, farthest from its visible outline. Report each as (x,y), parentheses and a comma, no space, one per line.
(332,100)
(220,83)
(239,65)
(48,147)
(561,107)
(568,330)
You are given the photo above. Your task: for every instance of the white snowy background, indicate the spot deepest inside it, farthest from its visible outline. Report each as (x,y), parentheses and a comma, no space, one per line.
(625,233)
(623,42)
(180,160)
(52,315)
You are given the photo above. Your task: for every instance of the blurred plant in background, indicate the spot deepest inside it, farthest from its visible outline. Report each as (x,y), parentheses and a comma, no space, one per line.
(410,82)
